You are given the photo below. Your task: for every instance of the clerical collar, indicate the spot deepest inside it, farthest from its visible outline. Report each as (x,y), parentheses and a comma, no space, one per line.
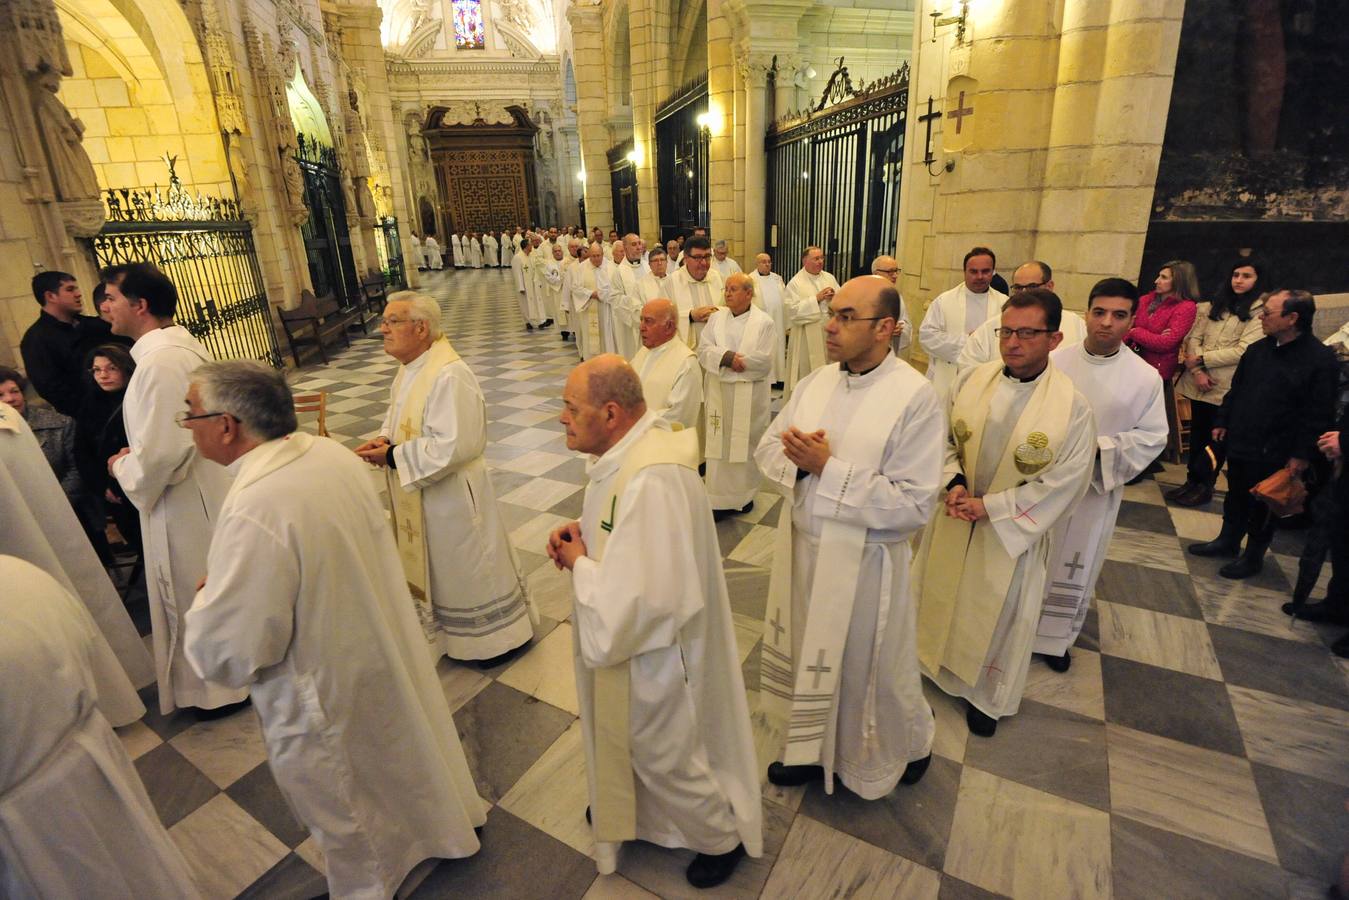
(1007,373)
(848,371)
(1087,351)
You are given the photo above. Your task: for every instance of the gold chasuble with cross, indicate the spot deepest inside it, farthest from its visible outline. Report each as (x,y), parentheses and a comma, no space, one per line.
(1026,449)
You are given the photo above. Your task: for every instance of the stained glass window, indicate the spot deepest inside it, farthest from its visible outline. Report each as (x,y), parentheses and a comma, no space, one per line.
(468,29)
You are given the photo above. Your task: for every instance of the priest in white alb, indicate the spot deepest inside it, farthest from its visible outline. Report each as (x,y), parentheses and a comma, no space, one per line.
(952,315)
(807,298)
(736,353)
(434,261)
(75,820)
(695,288)
(771,291)
(653,284)
(538,261)
(457,251)
(672,379)
(887,267)
(460,568)
(725,264)
(306,607)
(586,285)
(554,282)
(177,492)
(857,453)
(527,297)
(982,344)
(664,720)
(40,527)
(490,250)
(629,270)
(1125,394)
(1020,447)
(473,250)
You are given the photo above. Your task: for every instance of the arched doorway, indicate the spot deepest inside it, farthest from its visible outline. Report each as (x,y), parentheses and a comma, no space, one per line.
(484,164)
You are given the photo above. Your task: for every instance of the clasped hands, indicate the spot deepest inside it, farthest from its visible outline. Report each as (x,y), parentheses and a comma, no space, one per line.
(375,452)
(565,546)
(961,505)
(806,451)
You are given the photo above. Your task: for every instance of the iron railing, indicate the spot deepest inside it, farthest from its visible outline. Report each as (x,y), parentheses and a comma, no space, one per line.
(390,250)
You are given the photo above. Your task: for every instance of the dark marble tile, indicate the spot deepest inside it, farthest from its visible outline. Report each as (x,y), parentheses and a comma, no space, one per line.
(1051,750)
(516,861)
(570,506)
(176,787)
(259,795)
(1271,577)
(504,731)
(513,516)
(953,888)
(499,453)
(168,726)
(1290,538)
(912,821)
(1090,638)
(530,561)
(290,879)
(1290,668)
(1306,817)
(1148,588)
(1171,704)
(730,532)
(503,482)
(573,471)
(1145,517)
(1150,863)
(749,669)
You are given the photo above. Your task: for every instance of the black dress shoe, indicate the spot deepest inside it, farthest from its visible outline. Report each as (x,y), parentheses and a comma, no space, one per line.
(793,776)
(1178,490)
(980,724)
(1057,663)
(1243,567)
(708,870)
(588,822)
(1216,547)
(1341,647)
(1318,612)
(914,771)
(1200,495)
(500,658)
(529,327)
(220,712)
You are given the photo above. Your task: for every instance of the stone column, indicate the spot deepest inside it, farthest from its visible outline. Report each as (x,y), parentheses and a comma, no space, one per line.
(784,88)
(736,240)
(754,68)
(649,72)
(721,112)
(591,110)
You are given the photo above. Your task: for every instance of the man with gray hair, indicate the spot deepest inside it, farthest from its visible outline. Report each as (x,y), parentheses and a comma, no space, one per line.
(629,270)
(306,606)
(887,267)
(665,723)
(725,265)
(671,376)
(459,565)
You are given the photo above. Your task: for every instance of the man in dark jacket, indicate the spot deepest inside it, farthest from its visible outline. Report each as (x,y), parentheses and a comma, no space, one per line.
(1281,401)
(54,346)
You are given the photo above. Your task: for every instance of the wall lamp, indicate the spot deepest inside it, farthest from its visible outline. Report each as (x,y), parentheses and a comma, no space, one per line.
(940,21)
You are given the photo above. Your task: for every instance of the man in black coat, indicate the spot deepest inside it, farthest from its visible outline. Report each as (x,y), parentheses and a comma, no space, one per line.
(54,347)
(1281,401)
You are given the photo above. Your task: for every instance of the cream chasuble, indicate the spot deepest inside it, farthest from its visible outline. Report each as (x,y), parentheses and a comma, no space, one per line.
(736,404)
(805,314)
(665,724)
(672,382)
(1026,449)
(688,295)
(1126,399)
(585,281)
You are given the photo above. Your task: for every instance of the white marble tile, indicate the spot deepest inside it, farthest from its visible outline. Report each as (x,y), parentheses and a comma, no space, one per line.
(1194,525)
(1293,734)
(1158,639)
(748,630)
(552,795)
(550,591)
(817,861)
(1289,566)
(616,887)
(532,536)
(755,548)
(541,493)
(547,671)
(137,739)
(1238,604)
(1145,491)
(309,852)
(225,847)
(524,401)
(1144,548)
(952,734)
(528,417)
(535,462)
(459,682)
(1078,690)
(1189,790)
(762,501)
(528,437)
(1021,842)
(225,749)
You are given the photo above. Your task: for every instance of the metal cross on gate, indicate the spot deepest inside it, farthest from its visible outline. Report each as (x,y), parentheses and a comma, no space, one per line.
(928,157)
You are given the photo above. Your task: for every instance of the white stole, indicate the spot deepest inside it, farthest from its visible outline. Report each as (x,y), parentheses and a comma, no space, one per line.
(742,395)
(806,700)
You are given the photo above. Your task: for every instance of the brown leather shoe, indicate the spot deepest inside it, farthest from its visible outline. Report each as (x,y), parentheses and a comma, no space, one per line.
(1198,495)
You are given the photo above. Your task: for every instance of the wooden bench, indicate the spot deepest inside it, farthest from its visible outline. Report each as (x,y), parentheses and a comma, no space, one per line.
(313,324)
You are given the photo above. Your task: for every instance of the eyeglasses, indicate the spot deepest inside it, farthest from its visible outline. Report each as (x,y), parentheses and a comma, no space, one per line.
(886,272)
(1267,312)
(696,258)
(847,318)
(1017,288)
(391,322)
(1024,334)
(183,417)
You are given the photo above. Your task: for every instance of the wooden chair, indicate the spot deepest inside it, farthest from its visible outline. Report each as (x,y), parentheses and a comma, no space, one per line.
(315,403)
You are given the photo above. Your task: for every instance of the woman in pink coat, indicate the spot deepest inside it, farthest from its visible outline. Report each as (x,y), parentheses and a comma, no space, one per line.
(1165,316)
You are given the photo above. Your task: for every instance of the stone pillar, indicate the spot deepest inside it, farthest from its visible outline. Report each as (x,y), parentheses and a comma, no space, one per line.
(721,112)
(754,68)
(591,110)
(1072,182)
(784,87)
(736,239)
(649,71)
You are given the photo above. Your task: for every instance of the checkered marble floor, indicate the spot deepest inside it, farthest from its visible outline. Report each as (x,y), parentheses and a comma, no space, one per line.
(1195,749)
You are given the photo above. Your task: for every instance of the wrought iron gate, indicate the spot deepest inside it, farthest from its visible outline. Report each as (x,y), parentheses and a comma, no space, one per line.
(205,245)
(390,251)
(327,240)
(623,186)
(683,142)
(834,174)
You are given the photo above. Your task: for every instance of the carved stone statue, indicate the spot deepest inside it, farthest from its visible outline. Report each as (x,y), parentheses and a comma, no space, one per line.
(72,173)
